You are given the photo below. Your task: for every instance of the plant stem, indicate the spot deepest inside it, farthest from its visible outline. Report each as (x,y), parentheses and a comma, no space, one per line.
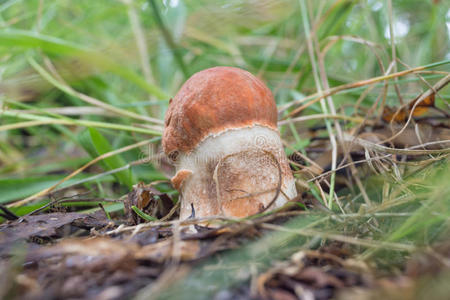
(322,102)
(168,38)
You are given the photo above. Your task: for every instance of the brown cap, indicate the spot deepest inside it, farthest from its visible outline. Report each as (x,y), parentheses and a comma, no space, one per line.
(215,100)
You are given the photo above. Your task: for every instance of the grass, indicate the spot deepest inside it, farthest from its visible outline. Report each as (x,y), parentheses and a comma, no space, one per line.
(116,64)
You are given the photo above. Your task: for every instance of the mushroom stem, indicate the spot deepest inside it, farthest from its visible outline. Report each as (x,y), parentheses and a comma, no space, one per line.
(238,172)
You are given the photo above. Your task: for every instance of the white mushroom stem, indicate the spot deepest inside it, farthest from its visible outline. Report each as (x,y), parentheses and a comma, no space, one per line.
(234,173)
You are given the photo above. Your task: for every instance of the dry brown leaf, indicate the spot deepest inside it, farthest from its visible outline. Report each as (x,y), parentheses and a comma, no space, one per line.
(400,115)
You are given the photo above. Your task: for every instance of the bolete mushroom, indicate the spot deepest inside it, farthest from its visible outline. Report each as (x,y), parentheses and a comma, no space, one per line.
(221,134)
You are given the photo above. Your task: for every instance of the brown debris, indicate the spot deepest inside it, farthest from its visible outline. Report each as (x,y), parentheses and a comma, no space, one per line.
(310,275)
(414,108)
(116,266)
(149,200)
(46,227)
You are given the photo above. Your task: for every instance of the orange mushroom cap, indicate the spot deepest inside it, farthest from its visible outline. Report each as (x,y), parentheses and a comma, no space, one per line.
(215,100)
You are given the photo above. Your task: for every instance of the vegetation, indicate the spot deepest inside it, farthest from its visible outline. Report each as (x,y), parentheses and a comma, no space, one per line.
(362,93)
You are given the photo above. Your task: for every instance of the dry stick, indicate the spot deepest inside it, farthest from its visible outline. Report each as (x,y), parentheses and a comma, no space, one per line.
(318,96)
(67,111)
(7,214)
(347,165)
(445,113)
(65,200)
(355,39)
(171,212)
(322,193)
(26,124)
(371,46)
(420,77)
(151,127)
(410,151)
(435,72)
(76,172)
(225,221)
(362,97)
(321,117)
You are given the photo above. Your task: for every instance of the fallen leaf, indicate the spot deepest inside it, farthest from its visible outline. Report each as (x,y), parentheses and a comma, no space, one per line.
(400,115)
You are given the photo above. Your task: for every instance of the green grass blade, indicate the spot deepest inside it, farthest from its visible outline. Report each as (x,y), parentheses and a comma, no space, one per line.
(96,144)
(52,45)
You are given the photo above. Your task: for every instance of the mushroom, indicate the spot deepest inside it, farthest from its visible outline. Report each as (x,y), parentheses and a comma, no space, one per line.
(221,134)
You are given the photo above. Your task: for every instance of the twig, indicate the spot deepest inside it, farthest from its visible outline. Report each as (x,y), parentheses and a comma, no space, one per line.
(317,96)
(8,214)
(104,211)
(407,151)
(171,212)
(322,117)
(227,220)
(64,200)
